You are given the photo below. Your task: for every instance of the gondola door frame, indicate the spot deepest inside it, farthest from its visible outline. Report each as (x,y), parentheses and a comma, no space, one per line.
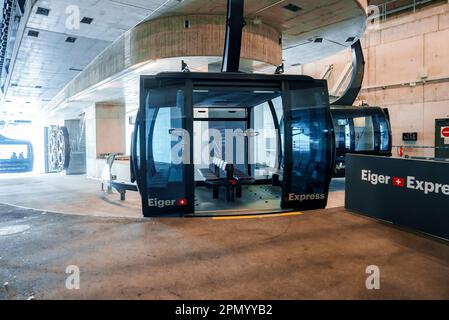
(288,147)
(140,166)
(189,168)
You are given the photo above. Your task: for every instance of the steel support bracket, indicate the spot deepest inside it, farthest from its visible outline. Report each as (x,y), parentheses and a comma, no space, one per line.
(358,72)
(233,41)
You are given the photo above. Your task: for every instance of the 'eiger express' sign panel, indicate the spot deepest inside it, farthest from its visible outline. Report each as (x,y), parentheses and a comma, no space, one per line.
(409,193)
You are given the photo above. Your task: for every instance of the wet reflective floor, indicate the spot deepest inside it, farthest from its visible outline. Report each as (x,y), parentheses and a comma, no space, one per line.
(316,255)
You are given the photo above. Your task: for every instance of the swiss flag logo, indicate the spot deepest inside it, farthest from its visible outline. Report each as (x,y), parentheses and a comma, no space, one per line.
(399,182)
(182,202)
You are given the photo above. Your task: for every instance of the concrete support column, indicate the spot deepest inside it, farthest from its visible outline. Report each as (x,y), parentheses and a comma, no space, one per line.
(105,134)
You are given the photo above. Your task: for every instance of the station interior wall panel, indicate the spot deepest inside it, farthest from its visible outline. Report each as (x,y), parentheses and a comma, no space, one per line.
(406,71)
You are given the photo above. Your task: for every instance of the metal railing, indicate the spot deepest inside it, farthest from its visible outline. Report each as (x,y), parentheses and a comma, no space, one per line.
(401,150)
(388,8)
(427,158)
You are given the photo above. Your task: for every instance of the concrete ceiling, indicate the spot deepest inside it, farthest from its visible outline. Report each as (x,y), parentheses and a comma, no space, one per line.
(45,64)
(334,21)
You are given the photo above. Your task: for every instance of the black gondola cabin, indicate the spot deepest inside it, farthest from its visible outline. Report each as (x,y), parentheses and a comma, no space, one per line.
(206,142)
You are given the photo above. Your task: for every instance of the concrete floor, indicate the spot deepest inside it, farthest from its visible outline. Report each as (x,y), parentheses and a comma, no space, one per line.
(79,195)
(66,194)
(316,255)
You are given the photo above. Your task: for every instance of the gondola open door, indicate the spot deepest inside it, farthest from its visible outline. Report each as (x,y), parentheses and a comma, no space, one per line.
(309,146)
(162,152)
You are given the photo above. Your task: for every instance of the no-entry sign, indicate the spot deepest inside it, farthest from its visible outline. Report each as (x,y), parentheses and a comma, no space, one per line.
(445,132)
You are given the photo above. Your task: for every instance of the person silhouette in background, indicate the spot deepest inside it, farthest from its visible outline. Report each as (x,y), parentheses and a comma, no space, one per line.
(14,156)
(21,157)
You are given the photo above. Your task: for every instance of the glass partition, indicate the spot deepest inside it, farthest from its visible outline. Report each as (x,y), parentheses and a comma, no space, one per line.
(363,133)
(264,142)
(232,144)
(342,134)
(384,133)
(240,118)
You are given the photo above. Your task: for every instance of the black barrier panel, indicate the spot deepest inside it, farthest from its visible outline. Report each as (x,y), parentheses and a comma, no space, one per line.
(408,193)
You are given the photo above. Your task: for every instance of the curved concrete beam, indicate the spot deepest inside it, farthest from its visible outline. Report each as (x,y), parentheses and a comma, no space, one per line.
(272,33)
(170,37)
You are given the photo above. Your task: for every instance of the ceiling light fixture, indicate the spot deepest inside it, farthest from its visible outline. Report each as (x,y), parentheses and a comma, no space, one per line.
(87,20)
(292,7)
(43,11)
(33,33)
(70,39)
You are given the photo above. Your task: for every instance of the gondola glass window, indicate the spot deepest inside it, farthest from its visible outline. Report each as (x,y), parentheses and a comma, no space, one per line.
(343,134)
(14,152)
(165,177)
(360,130)
(364,129)
(384,132)
(312,142)
(265,142)
(364,133)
